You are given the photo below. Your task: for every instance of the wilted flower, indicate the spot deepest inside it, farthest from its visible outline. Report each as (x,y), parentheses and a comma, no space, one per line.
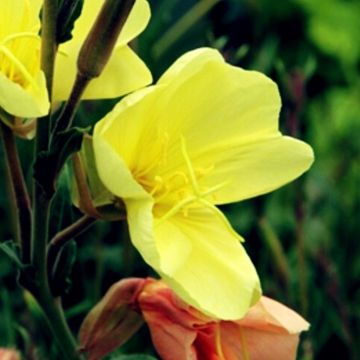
(206,134)
(124,72)
(268,331)
(22,83)
(9,354)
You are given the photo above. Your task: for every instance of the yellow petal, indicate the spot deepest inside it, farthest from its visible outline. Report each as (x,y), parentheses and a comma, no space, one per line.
(190,63)
(229,119)
(125,72)
(19,14)
(127,68)
(130,128)
(199,258)
(140,220)
(254,168)
(30,102)
(113,172)
(135,24)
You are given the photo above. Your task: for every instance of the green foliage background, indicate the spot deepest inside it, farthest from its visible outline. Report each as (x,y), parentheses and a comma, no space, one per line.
(303,238)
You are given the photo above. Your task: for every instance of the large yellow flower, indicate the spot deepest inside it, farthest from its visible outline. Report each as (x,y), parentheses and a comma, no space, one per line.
(22,84)
(124,72)
(206,134)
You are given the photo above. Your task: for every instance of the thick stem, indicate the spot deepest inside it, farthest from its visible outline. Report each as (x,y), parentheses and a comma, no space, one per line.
(40,221)
(22,199)
(55,317)
(41,201)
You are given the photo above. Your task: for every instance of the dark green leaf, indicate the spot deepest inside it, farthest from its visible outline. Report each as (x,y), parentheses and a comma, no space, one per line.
(49,163)
(68,13)
(12,250)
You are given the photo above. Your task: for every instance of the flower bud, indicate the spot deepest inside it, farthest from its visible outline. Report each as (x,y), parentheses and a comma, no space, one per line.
(113,320)
(102,37)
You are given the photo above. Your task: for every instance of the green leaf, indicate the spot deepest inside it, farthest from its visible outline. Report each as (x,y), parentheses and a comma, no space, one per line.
(69,11)
(12,250)
(49,163)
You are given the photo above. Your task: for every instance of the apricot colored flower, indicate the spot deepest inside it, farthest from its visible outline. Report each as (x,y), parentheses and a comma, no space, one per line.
(124,72)
(206,134)
(268,331)
(9,354)
(113,320)
(22,84)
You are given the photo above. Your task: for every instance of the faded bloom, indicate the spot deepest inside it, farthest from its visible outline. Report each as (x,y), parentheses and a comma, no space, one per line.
(206,134)
(22,84)
(9,354)
(123,73)
(268,331)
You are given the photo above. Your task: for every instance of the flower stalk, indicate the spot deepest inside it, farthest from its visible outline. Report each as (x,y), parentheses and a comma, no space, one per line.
(41,211)
(21,195)
(73,230)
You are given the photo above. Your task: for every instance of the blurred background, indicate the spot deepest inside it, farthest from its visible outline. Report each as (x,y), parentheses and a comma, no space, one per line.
(303,238)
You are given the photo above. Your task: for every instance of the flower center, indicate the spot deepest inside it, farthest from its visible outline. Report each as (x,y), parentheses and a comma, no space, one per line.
(196,196)
(179,191)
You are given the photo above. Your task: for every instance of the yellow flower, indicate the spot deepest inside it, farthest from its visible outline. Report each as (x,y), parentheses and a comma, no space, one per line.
(124,72)
(206,134)
(22,84)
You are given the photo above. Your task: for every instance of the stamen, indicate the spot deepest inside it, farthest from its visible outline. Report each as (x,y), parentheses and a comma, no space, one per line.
(218,342)
(25,34)
(5,51)
(198,196)
(178,174)
(244,346)
(189,167)
(159,184)
(215,188)
(176,209)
